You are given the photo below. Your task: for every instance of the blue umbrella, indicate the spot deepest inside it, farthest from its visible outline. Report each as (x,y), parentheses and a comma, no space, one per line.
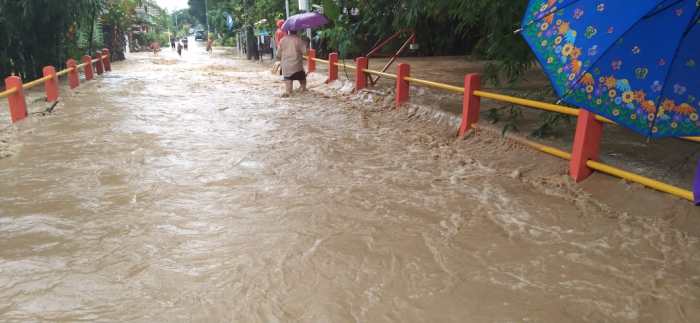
(632,61)
(304,21)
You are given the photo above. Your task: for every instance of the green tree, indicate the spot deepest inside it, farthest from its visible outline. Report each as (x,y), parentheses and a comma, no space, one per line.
(36,33)
(444,27)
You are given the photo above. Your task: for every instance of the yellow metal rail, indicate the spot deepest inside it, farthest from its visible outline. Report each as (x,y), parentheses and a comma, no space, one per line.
(316,59)
(7,93)
(64,72)
(346,66)
(387,75)
(81,65)
(610,170)
(648,182)
(436,85)
(537,146)
(549,107)
(528,103)
(36,82)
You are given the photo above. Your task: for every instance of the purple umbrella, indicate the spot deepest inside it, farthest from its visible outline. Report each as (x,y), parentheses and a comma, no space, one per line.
(304,21)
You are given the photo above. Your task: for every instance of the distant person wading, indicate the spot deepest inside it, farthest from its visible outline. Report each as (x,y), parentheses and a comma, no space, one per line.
(292,49)
(210,43)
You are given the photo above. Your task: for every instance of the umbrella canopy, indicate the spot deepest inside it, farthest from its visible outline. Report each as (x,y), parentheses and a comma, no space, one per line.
(304,21)
(634,62)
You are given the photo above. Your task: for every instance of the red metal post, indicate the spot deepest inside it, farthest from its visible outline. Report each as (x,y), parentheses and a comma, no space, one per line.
(586,145)
(311,61)
(51,85)
(73,75)
(360,76)
(18,106)
(332,67)
(471,104)
(107,60)
(402,86)
(87,60)
(98,65)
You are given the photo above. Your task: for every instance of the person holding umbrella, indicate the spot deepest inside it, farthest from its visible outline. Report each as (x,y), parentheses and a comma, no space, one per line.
(292,48)
(291,51)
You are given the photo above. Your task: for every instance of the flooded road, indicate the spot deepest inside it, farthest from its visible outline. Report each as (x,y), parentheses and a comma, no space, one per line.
(186,190)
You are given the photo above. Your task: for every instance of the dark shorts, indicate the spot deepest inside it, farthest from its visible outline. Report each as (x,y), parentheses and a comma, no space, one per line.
(298,76)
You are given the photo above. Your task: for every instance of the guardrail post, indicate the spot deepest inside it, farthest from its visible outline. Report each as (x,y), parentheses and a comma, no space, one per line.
(18,106)
(402,86)
(87,60)
(73,75)
(98,65)
(471,104)
(696,185)
(51,85)
(332,67)
(360,76)
(107,60)
(586,145)
(311,61)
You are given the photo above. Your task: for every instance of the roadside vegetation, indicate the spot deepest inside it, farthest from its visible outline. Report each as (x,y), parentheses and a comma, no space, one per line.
(479,28)
(36,33)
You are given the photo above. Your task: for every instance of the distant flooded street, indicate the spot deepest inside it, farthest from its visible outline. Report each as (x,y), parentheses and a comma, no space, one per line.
(187,190)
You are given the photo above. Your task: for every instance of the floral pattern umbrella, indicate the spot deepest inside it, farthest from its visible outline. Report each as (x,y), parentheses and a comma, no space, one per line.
(634,62)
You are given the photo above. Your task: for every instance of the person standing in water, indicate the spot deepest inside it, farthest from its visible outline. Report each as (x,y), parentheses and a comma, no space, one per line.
(179,49)
(279,34)
(210,43)
(155,47)
(292,49)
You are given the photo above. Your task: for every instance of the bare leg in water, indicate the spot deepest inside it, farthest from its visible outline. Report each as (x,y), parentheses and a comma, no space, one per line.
(289,87)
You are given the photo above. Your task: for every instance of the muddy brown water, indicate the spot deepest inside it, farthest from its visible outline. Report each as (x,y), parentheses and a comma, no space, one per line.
(185,190)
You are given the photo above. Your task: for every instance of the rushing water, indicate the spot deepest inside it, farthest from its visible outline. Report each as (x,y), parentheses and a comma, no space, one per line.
(178,190)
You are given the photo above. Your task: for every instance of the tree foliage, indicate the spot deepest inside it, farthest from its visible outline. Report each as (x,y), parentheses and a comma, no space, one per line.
(483,28)
(36,33)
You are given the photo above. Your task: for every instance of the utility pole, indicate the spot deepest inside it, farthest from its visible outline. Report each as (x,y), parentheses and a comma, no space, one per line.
(177,27)
(206,14)
(304,5)
(286,3)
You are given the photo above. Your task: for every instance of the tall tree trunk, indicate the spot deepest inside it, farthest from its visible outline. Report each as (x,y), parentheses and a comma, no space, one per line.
(92,30)
(252,44)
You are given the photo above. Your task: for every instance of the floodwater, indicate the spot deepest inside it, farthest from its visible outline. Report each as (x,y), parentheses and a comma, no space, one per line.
(186,190)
